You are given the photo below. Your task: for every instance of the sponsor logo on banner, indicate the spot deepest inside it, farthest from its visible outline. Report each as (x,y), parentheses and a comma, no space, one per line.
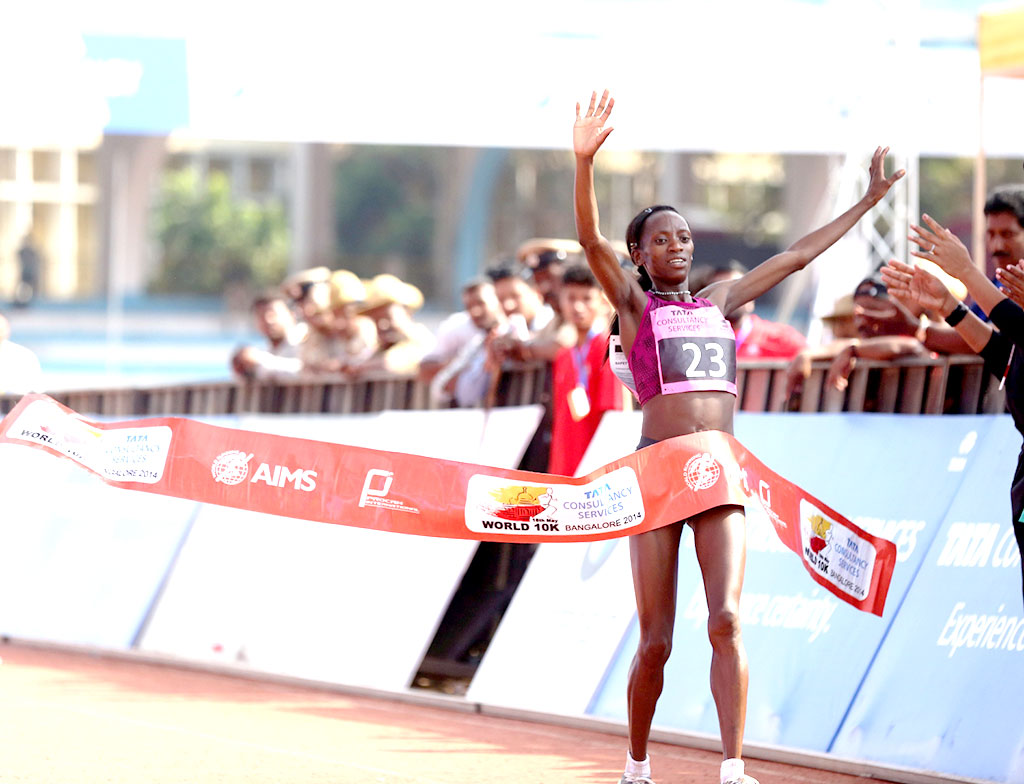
(701,472)
(999,630)
(610,503)
(974,545)
(303,479)
(232,468)
(838,553)
(764,495)
(136,454)
(130,454)
(378,496)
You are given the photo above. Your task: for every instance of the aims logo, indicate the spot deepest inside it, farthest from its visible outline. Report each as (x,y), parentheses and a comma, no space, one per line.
(232,468)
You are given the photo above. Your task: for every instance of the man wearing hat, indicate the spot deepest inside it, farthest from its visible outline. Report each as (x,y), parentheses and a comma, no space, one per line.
(547,259)
(298,287)
(885,329)
(339,336)
(839,321)
(355,334)
(319,350)
(401,342)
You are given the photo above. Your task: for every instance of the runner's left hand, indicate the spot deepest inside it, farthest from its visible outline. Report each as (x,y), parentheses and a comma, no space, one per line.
(879,184)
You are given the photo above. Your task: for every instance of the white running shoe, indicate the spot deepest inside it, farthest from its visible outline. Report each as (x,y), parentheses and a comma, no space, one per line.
(743,780)
(638,780)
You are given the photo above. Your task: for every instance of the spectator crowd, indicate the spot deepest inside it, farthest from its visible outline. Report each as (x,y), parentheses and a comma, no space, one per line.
(543,304)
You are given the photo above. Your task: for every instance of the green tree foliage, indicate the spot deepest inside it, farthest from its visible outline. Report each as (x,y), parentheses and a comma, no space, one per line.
(384,204)
(210,240)
(947,187)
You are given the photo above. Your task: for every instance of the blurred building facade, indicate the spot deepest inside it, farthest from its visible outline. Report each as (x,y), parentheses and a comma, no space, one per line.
(88,209)
(101,101)
(49,196)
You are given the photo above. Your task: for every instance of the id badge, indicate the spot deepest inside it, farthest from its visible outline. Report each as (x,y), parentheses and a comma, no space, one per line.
(579,403)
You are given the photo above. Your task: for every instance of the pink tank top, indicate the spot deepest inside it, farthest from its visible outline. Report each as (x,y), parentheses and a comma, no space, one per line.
(682,347)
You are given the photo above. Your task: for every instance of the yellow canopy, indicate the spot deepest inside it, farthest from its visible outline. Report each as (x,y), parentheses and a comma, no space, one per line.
(1001,42)
(1000,53)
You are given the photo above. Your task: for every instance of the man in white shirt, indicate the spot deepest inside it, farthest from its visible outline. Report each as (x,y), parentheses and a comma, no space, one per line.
(527,311)
(457,369)
(520,298)
(20,372)
(285,337)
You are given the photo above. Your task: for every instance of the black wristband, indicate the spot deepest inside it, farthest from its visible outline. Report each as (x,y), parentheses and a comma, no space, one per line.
(958,314)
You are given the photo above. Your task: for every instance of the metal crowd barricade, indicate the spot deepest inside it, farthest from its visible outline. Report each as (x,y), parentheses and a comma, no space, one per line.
(945,385)
(956,384)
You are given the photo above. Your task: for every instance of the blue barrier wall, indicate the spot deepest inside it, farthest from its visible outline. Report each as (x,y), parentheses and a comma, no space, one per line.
(946,687)
(826,677)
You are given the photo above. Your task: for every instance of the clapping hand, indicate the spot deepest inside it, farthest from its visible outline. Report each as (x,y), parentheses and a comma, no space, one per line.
(938,244)
(1012,281)
(914,285)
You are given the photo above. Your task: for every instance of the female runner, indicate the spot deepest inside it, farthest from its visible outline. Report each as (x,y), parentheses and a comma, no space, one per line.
(704,371)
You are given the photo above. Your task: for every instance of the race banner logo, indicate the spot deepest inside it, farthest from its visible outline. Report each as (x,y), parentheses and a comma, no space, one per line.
(231,467)
(379,497)
(610,503)
(128,454)
(701,472)
(344,485)
(836,552)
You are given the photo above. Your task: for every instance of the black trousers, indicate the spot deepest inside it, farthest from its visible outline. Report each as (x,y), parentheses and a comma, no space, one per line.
(1017,504)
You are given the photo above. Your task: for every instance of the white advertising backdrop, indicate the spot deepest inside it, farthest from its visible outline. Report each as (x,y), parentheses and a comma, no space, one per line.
(332,603)
(80,560)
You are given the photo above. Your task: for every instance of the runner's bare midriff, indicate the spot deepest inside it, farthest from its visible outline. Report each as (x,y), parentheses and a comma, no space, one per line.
(665,416)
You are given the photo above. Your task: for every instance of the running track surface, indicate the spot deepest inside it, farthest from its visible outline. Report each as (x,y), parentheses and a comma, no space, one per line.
(74,718)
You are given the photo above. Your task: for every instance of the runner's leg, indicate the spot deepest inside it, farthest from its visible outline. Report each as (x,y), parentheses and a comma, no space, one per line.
(655,559)
(719,537)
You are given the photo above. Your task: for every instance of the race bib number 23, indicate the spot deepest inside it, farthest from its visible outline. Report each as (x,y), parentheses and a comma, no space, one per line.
(696,350)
